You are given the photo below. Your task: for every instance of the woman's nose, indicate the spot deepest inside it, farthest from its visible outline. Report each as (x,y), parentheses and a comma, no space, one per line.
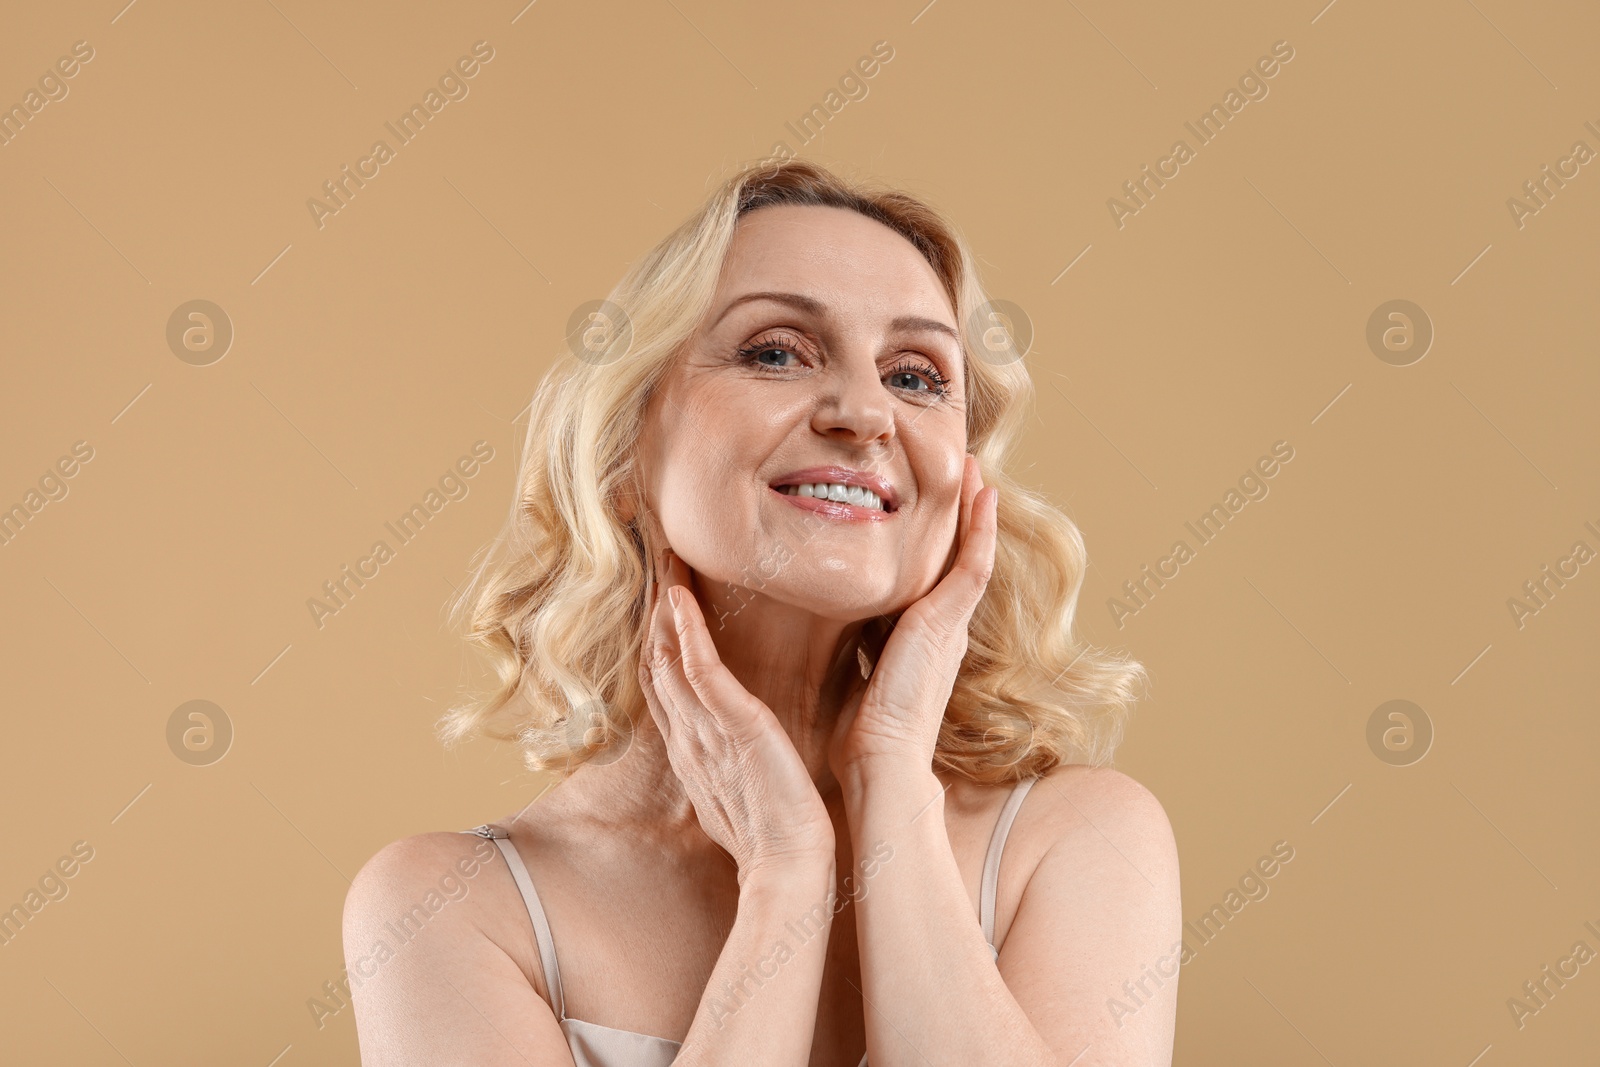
(854,403)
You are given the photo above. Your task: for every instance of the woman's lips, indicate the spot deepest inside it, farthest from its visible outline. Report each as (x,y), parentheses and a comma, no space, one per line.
(833,509)
(846,476)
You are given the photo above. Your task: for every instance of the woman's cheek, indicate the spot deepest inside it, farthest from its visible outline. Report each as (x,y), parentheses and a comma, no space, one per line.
(707,533)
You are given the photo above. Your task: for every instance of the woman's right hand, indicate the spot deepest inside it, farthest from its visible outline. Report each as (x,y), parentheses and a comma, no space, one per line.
(749,787)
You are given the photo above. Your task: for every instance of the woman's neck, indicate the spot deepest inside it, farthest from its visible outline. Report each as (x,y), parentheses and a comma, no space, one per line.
(795,662)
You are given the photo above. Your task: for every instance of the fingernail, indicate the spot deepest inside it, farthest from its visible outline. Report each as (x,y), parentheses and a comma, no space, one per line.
(674,595)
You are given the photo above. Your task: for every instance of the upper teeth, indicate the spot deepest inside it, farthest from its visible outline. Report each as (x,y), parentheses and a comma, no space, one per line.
(858,495)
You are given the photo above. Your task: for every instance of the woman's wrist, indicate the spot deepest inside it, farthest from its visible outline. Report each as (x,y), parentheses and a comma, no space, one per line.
(781,874)
(793,889)
(902,782)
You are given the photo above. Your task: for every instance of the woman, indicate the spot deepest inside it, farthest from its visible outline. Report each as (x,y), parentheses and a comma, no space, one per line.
(797,668)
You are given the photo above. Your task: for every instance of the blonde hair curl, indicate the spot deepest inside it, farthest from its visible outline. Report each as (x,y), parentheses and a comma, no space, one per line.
(556,599)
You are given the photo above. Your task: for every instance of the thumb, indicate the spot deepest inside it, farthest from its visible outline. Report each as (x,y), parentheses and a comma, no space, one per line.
(716,687)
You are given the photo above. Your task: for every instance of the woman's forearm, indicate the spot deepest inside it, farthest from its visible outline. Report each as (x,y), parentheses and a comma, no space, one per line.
(933,993)
(760,1005)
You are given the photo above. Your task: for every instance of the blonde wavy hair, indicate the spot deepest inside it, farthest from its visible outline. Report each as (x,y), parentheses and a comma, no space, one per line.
(556,599)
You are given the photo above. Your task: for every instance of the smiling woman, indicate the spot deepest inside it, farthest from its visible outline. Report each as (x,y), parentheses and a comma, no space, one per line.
(798,400)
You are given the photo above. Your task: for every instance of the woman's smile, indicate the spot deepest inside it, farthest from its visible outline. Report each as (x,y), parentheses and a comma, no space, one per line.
(839,493)
(835,502)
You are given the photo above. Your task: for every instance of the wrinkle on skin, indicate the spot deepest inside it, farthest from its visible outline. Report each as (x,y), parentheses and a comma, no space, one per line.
(786,593)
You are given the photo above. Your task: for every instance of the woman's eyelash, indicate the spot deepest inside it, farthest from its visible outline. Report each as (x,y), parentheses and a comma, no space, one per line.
(940,384)
(749,352)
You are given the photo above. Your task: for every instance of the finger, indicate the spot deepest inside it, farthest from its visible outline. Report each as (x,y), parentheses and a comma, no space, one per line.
(713,683)
(706,681)
(669,646)
(972,488)
(662,666)
(977,555)
(714,687)
(642,662)
(971,482)
(652,593)
(657,713)
(956,597)
(672,689)
(977,550)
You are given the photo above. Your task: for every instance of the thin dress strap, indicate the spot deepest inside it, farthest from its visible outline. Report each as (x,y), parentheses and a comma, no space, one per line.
(991,863)
(530,897)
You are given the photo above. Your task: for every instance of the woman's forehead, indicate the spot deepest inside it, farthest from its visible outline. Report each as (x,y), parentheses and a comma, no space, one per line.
(835,256)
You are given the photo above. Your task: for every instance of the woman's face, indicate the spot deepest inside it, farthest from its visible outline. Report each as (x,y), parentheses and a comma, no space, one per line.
(830,357)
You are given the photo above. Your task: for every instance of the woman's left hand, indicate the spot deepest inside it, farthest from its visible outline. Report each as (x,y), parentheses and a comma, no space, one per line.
(895,715)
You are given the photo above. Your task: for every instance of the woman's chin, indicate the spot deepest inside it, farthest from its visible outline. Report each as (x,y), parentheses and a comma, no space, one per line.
(845,599)
(859,605)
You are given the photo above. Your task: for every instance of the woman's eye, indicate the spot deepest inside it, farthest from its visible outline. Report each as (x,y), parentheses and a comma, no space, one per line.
(777,353)
(918,378)
(773,357)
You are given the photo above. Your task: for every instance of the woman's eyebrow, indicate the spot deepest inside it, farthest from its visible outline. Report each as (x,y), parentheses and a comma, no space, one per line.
(795,300)
(916,322)
(813,306)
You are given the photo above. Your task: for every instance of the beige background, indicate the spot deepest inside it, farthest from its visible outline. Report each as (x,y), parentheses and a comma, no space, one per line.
(1228,314)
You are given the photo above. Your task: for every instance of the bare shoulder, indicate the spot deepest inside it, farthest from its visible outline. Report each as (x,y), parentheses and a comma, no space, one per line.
(432,953)
(408,870)
(1088,836)
(440,884)
(1100,819)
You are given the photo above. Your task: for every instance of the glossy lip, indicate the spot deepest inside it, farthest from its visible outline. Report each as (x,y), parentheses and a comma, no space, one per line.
(833,509)
(843,476)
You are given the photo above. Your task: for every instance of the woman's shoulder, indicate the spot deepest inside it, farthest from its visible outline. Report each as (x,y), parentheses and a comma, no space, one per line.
(1069,796)
(462,874)
(436,914)
(1070,809)
(1081,811)
(458,884)
(1104,792)
(433,870)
